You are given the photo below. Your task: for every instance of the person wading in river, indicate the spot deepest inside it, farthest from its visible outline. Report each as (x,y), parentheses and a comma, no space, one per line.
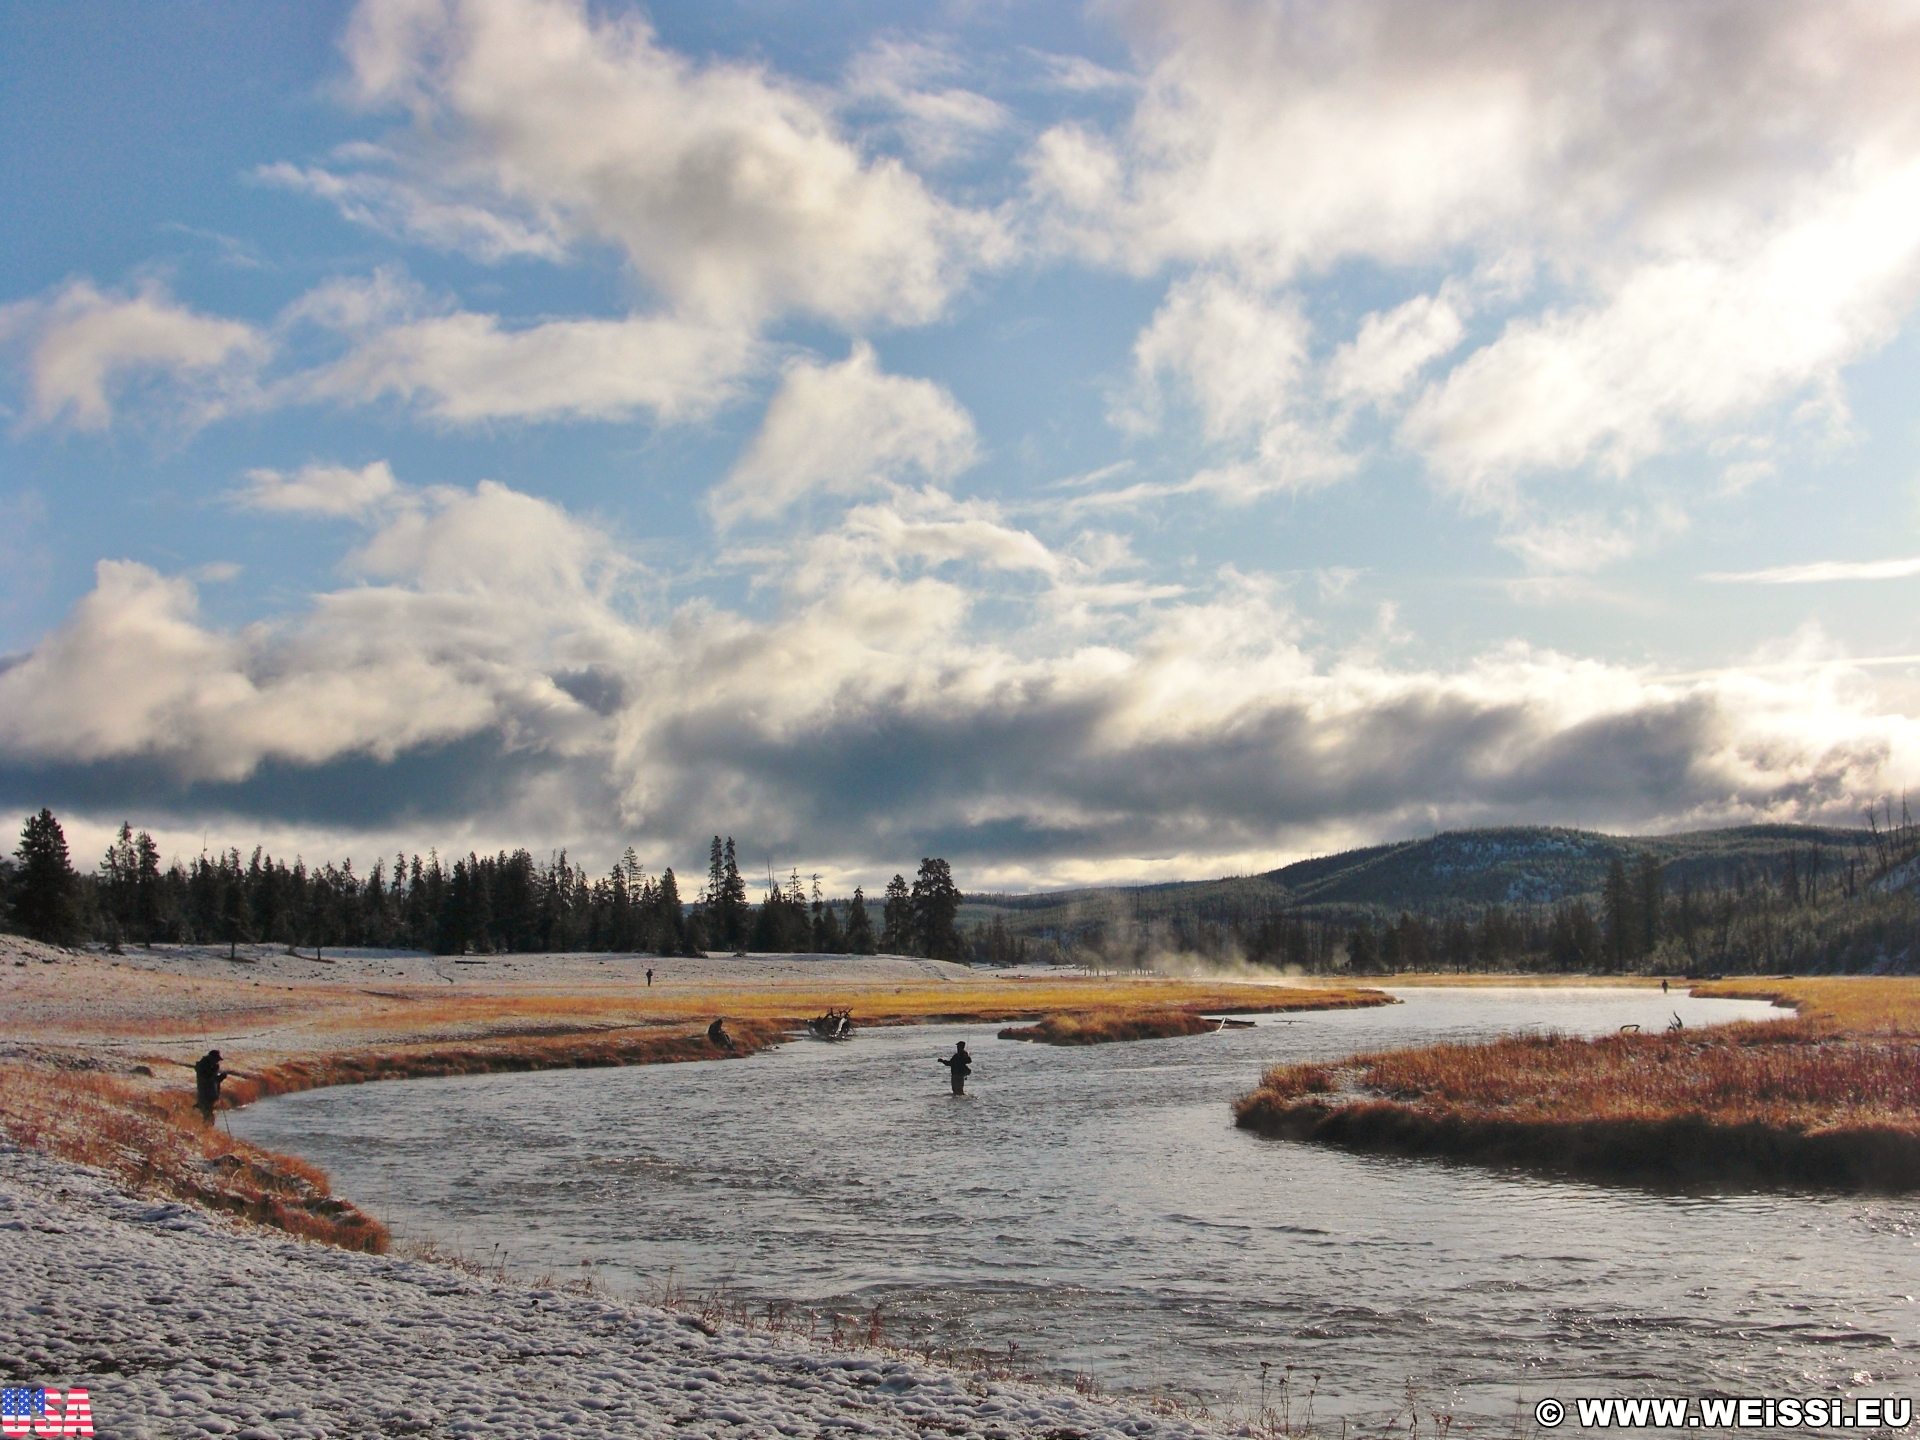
(959,1066)
(207,1076)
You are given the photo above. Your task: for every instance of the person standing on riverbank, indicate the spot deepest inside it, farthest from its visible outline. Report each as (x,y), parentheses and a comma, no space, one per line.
(207,1076)
(959,1066)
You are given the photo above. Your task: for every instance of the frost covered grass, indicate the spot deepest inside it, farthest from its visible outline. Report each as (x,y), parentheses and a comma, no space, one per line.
(155,1143)
(180,1324)
(1830,1098)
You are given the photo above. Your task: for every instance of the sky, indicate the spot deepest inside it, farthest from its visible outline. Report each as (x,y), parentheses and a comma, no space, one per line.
(1153,440)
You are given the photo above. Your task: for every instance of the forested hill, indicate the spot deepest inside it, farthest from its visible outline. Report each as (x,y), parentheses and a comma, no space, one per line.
(1513,866)
(1537,865)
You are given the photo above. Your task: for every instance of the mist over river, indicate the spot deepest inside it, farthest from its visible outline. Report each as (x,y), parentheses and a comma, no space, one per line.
(1096,1208)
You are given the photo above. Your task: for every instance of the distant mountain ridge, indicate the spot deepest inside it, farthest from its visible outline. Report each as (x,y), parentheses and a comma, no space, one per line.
(1460,869)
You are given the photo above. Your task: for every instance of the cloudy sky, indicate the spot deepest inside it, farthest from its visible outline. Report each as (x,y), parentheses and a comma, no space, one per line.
(1151,440)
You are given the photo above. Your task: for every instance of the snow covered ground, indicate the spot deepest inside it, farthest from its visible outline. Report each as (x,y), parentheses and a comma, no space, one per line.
(181,1324)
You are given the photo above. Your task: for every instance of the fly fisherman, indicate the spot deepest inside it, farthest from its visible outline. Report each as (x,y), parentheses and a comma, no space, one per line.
(959,1066)
(207,1076)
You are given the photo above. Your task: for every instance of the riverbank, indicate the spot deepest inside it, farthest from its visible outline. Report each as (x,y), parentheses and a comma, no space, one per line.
(96,1049)
(1828,1099)
(178,1322)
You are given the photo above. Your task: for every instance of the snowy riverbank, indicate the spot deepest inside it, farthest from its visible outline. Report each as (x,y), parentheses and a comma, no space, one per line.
(180,1323)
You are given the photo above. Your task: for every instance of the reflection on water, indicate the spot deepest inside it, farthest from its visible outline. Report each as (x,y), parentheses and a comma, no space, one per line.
(1096,1207)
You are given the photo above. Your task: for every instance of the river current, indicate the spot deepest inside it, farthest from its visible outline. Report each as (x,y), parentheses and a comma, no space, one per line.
(1095,1208)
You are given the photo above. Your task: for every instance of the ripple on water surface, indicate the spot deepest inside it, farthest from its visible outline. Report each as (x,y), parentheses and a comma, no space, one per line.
(1095,1207)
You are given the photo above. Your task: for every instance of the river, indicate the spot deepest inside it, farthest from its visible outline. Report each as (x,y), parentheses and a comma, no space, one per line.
(1095,1208)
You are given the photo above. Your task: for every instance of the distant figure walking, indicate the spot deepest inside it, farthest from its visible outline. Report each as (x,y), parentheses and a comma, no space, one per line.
(717,1033)
(1663,985)
(207,1076)
(649,979)
(959,1066)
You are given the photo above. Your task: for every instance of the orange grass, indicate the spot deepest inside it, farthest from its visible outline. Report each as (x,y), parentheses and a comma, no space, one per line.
(1831,1097)
(1103,1024)
(1101,1027)
(154,1142)
(964,1001)
(572,1051)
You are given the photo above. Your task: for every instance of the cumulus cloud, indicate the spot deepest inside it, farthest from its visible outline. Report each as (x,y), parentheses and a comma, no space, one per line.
(846,429)
(1669,220)
(729,190)
(82,345)
(869,715)
(317,489)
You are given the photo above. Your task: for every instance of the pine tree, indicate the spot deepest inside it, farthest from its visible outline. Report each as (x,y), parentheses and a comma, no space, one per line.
(1621,922)
(935,902)
(149,888)
(859,925)
(1650,900)
(896,917)
(670,923)
(733,904)
(43,885)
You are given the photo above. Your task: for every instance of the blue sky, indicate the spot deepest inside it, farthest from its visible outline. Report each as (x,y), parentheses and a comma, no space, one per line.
(1143,441)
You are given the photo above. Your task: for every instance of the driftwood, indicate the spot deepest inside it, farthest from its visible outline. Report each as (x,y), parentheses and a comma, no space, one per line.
(834,1025)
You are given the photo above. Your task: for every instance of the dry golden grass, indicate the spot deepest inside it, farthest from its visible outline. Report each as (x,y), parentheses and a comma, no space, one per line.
(156,1143)
(1858,1005)
(1101,1027)
(1830,1097)
(568,1051)
(910,1002)
(1105,1024)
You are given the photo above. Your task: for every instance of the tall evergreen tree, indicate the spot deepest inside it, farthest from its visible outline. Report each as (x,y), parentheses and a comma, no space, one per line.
(669,922)
(1621,923)
(896,917)
(43,884)
(859,925)
(935,902)
(1650,900)
(150,889)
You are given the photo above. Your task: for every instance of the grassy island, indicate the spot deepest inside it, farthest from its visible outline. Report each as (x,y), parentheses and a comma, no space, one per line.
(1829,1099)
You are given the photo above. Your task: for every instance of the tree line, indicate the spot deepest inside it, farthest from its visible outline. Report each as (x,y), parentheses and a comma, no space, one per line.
(506,902)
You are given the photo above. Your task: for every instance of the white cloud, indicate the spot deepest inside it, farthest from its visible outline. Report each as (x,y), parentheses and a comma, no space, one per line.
(1394,346)
(1819,572)
(868,715)
(83,345)
(938,123)
(394,207)
(318,489)
(467,368)
(730,191)
(1242,358)
(1675,220)
(1682,343)
(846,429)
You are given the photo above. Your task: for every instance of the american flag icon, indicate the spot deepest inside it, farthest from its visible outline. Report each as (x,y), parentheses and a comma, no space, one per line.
(35,1410)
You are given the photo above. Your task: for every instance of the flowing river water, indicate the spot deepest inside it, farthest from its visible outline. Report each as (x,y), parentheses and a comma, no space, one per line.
(1095,1208)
